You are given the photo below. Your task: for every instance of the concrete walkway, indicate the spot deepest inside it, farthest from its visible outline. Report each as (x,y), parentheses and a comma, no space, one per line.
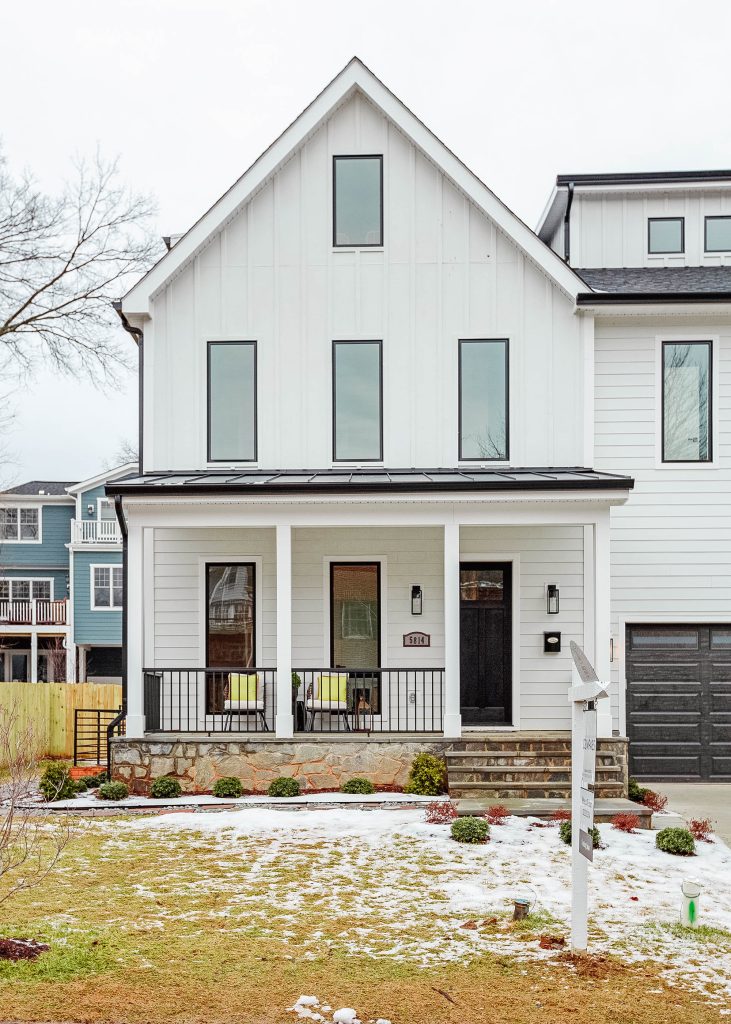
(700,800)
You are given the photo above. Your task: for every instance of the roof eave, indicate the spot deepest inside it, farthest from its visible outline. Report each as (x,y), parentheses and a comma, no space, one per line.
(585,299)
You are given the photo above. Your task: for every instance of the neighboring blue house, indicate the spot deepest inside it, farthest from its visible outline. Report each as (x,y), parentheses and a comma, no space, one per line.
(60,582)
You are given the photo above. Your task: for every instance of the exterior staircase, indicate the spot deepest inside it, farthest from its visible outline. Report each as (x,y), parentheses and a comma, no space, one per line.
(514,765)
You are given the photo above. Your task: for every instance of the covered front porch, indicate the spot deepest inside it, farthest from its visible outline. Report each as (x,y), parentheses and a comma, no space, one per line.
(432,612)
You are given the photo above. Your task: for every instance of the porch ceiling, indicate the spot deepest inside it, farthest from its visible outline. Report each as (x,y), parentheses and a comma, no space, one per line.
(370,481)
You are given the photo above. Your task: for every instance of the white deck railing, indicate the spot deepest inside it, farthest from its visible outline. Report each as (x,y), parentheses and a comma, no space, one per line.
(35,612)
(96,531)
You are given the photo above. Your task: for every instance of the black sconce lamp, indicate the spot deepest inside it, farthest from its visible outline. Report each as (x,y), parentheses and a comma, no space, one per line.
(416,599)
(552,599)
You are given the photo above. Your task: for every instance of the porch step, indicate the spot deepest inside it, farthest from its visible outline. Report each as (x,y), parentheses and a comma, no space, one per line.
(523,790)
(536,807)
(465,760)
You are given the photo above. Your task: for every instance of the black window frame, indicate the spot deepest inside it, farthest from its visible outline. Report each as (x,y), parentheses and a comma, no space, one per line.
(482,341)
(352,245)
(715,216)
(225,565)
(358,341)
(666,252)
(209,348)
(348,562)
(687,462)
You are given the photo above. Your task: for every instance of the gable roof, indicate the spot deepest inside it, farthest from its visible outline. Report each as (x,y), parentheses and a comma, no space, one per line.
(355,76)
(101,478)
(40,487)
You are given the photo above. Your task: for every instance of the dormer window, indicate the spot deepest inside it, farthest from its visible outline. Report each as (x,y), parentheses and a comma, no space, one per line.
(665,235)
(357,201)
(718,234)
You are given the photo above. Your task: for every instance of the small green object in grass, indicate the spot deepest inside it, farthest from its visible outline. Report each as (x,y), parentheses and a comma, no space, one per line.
(165,788)
(470,830)
(428,776)
(358,785)
(227,787)
(564,831)
(113,791)
(284,786)
(677,841)
(56,783)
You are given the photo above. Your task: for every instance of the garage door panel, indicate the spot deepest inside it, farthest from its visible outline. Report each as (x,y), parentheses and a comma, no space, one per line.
(720,766)
(667,767)
(659,674)
(664,702)
(721,672)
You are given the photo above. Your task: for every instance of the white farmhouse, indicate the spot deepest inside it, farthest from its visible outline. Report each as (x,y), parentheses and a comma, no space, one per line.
(396,453)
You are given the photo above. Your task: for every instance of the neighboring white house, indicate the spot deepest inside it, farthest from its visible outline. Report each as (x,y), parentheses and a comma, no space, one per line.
(384,429)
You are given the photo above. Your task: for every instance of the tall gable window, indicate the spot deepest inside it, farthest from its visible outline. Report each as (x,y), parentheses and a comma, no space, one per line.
(665,235)
(483,399)
(232,401)
(686,401)
(357,401)
(718,234)
(20,524)
(357,200)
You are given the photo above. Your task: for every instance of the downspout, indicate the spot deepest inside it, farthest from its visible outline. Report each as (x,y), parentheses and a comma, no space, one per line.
(566,224)
(123,528)
(139,338)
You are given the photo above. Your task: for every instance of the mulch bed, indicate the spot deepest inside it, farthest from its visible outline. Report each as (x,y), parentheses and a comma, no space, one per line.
(21,949)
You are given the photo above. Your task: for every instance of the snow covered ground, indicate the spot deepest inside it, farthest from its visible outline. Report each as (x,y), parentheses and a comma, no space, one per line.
(398,887)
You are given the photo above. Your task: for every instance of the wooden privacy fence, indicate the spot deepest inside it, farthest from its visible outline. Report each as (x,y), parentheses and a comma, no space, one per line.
(51,708)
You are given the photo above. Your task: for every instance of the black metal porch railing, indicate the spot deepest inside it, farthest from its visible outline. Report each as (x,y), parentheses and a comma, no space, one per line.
(209,700)
(91,733)
(369,700)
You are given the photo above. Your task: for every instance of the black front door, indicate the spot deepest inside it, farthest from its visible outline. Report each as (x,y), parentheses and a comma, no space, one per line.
(485,642)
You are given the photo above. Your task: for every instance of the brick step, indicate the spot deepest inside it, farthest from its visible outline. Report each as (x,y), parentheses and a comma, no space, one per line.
(536,748)
(458,761)
(516,773)
(532,786)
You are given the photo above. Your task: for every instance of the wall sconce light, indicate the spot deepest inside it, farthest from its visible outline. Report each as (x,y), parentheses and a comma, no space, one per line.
(552,599)
(90,510)
(416,599)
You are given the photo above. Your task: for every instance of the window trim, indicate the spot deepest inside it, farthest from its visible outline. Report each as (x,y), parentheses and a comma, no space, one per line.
(358,341)
(31,580)
(712,346)
(715,216)
(38,509)
(333,563)
(353,245)
(255,566)
(666,252)
(239,461)
(92,587)
(482,341)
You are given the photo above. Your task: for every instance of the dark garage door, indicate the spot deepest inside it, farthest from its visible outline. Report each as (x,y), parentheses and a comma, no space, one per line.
(679,701)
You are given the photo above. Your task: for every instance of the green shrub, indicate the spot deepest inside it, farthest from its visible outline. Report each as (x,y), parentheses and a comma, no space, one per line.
(284,786)
(165,788)
(113,791)
(358,785)
(564,831)
(470,830)
(428,776)
(636,792)
(227,787)
(678,841)
(90,782)
(56,783)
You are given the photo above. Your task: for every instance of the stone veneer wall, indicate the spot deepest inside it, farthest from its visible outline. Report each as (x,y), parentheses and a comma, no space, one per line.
(321,764)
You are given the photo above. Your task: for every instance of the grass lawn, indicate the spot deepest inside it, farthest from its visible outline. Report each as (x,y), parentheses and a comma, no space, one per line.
(232,916)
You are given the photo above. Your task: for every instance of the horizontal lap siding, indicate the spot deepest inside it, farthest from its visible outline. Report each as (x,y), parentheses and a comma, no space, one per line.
(52,551)
(671,542)
(94,626)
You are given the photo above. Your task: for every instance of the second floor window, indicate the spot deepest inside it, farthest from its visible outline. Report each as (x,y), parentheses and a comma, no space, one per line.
(665,235)
(17,524)
(232,401)
(357,200)
(106,586)
(24,590)
(686,401)
(357,401)
(483,399)
(718,234)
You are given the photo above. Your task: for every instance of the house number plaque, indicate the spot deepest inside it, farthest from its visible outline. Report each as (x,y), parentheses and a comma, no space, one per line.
(417,639)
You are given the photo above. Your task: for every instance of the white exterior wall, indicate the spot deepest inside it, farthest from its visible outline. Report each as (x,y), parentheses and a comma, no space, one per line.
(609,229)
(445,272)
(671,542)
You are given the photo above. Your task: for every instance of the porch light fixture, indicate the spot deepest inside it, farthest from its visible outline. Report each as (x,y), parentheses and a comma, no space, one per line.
(416,599)
(90,510)
(552,599)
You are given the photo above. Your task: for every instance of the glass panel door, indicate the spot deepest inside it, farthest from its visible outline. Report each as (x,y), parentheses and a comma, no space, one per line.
(355,630)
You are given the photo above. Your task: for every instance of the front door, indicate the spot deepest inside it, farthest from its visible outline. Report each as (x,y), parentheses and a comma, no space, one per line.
(486,642)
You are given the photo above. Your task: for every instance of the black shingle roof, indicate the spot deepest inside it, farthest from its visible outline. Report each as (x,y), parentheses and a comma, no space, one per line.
(41,487)
(657,279)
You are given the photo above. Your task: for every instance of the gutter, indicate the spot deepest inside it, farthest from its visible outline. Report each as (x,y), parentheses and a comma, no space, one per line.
(566,223)
(641,298)
(123,527)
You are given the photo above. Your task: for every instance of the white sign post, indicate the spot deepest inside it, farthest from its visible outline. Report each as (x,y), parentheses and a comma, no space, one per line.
(585,691)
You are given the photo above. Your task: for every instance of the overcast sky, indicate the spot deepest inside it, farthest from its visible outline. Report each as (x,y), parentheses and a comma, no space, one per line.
(189,92)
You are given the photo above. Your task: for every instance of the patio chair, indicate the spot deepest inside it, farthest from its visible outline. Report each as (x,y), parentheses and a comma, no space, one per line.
(245,695)
(329,696)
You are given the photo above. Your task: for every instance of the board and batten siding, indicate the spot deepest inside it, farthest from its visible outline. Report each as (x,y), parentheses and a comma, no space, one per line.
(445,272)
(94,625)
(671,542)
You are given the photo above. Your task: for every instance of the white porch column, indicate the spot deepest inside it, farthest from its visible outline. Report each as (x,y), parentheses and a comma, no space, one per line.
(34,657)
(284,724)
(70,658)
(452,716)
(602,617)
(135,632)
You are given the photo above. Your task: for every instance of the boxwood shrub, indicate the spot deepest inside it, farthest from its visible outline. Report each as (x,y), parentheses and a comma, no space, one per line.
(470,830)
(358,785)
(166,788)
(227,787)
(112,791)
(56,783)
(428,776)
(636,792)
(678,841)
(284,786)
(564,831)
